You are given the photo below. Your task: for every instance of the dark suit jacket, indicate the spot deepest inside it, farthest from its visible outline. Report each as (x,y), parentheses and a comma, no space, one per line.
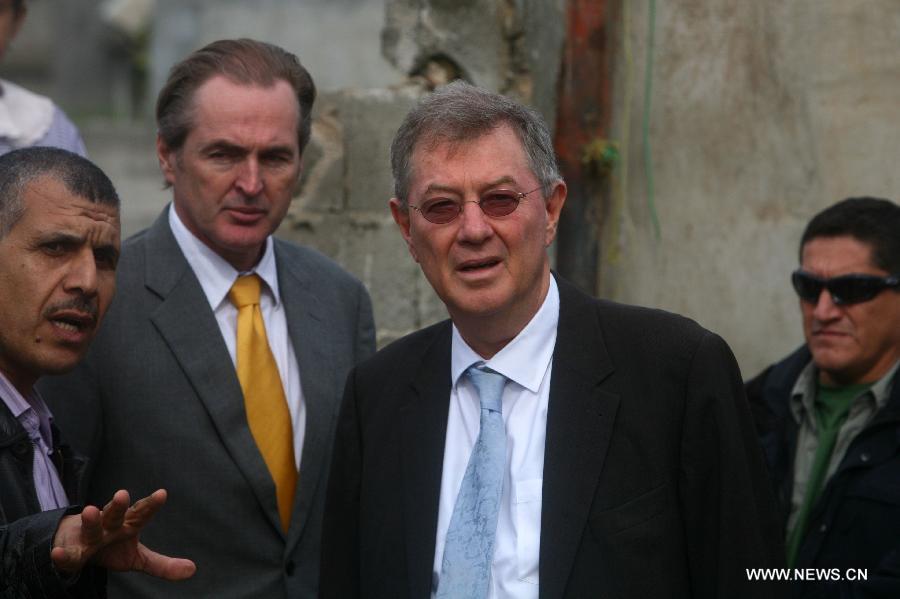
(157,403)
(26,533)
(653,481)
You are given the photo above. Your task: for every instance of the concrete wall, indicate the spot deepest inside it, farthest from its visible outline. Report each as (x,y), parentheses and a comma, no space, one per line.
(343,210)
(763,113)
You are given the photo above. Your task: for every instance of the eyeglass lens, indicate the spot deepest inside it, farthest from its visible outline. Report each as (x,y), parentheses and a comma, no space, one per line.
(846,289)
(495,204)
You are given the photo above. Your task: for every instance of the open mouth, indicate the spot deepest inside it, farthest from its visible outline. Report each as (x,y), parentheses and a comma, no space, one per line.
(73,323)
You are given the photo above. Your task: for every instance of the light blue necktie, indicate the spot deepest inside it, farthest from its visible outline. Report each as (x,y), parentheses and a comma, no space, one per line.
(469,546)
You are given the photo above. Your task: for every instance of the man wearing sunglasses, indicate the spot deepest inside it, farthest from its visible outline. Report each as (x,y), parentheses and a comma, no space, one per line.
(540,443)
(829,414)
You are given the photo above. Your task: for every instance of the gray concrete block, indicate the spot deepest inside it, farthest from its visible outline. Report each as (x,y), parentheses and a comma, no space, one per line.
(369,245)
(321,187)
(369,119)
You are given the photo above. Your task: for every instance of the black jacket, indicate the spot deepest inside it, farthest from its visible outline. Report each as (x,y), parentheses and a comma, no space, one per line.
(653,486)
(856,522)
(26,533)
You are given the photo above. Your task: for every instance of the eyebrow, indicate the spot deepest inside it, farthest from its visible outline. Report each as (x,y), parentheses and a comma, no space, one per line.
(232,148)
(61,237)
(506,179)
(221,144)
(73,239)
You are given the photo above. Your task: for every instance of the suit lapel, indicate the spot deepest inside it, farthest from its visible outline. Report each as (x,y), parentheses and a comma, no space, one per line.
(307,320)
(189,328)
(423,422)
(579,426)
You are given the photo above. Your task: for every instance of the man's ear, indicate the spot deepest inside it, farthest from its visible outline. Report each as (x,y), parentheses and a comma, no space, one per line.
(167,160)
(400,212)
(554,205)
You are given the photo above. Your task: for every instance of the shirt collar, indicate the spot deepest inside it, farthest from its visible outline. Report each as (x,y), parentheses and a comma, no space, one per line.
(215,274)
(523,360)
(882,388)
(19,404)
(803,395)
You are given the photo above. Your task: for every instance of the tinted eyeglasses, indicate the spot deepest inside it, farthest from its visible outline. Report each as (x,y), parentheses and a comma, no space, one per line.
(495,204)
(846,289)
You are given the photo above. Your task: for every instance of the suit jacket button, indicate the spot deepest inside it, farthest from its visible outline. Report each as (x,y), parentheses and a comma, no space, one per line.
(823,528)
(864,457)
(289,568)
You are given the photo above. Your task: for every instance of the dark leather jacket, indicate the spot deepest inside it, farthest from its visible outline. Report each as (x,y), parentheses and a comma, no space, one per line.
(26,533)
(856,522)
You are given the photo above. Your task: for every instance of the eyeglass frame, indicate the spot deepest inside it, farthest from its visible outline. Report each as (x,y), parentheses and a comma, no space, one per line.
(519,195)
(885,282)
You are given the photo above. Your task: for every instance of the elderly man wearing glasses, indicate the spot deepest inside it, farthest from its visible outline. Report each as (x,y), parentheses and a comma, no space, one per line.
(829,414)
(540,442)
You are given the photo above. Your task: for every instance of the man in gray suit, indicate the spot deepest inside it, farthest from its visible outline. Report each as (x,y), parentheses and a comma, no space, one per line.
(223,398)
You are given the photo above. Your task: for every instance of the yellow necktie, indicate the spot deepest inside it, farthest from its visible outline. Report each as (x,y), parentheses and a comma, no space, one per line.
(267,410)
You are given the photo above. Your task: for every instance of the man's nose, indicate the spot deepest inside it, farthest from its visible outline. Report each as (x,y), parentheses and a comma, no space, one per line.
(825,308)
(474,226)
(249,179)
(82,273)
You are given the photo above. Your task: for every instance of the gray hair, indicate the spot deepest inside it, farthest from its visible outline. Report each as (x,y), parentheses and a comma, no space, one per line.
(19,168)
(460,112)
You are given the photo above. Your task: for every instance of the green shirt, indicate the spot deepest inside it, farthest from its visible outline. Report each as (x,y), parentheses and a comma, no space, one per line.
(829,419)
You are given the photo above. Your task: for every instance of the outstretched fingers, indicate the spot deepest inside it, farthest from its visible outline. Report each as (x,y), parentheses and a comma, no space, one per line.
(163,566)
(109,537)
(143,510)
(113,514)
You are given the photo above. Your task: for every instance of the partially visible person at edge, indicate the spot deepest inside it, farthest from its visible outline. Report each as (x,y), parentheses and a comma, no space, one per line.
(59,244)
(828,415)
(26,118)
(221,364)
(541,443)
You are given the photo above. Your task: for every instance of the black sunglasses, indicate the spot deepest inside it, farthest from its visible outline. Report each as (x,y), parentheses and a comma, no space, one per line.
(846,289)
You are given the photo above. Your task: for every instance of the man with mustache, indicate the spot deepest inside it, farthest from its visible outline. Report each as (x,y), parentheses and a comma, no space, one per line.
(59,245)
(828,415)
(222,361)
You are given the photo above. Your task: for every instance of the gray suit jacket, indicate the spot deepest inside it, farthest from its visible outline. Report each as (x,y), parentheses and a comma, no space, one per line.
(157,404)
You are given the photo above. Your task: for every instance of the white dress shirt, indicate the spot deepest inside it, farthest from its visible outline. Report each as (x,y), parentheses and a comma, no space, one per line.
(526,361)
(216,276)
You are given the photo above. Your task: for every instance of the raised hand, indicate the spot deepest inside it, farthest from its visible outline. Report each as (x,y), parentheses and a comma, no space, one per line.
(110,538)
